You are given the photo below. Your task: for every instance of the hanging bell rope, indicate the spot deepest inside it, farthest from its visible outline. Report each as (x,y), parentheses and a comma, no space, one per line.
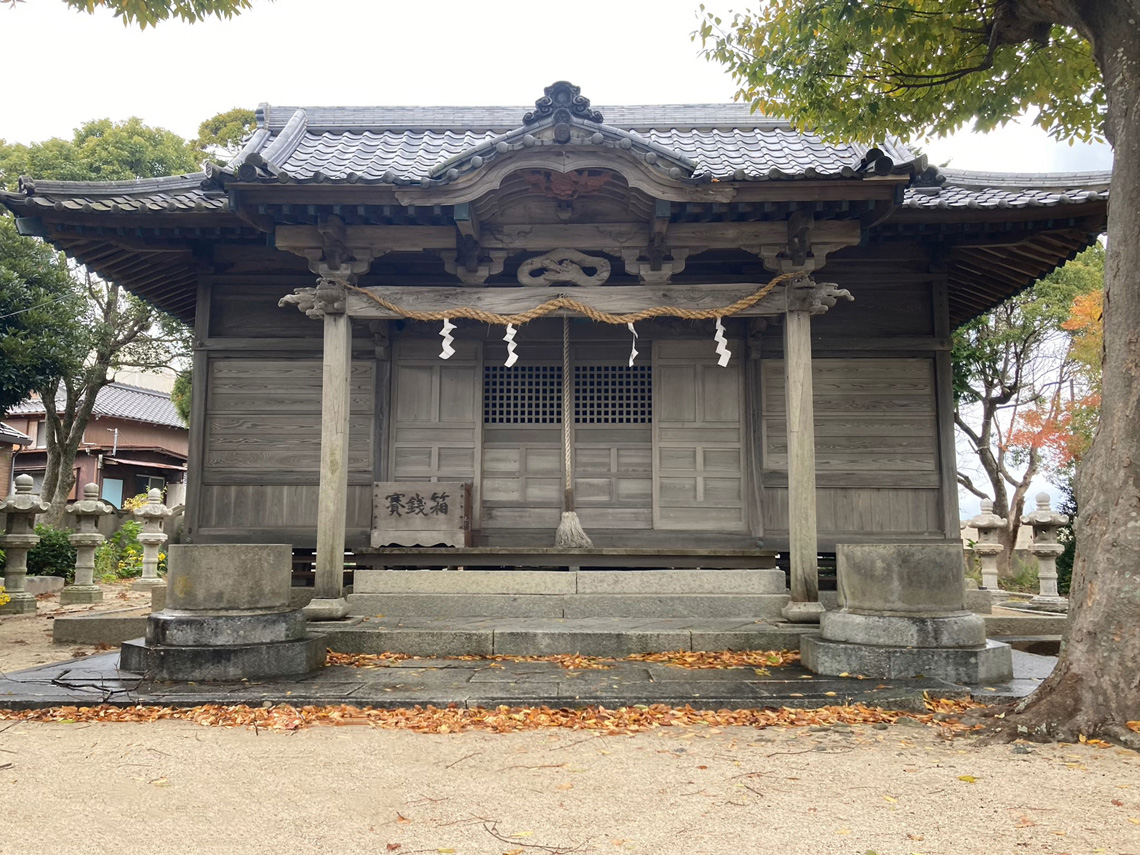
(570,534)
(564,302)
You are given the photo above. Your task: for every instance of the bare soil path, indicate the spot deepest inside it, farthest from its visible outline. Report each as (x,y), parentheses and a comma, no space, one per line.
(25,640)
(176,787)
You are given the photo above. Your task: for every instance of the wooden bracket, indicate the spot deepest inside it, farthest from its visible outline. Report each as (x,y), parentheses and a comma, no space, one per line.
(477,267)
(466,221)
(657,265)
(801,250)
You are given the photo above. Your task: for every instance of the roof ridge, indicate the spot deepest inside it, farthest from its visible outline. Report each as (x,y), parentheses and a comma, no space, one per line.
(131,387)
(31,185)
(990,179)
(507,117)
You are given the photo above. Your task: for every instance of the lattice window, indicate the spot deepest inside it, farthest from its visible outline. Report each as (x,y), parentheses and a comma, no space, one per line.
(613,394)
(523,394)
(532,394)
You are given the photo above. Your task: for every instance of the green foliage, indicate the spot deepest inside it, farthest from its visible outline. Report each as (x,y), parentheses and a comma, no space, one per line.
(39,309)
(148,13)
(53,555)
(992,353)
(182,393)
(1024,579)
(222,135)
(121,556)
(864,70)
(102,150)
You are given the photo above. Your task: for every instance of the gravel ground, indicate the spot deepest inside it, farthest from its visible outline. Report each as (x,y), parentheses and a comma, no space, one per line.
(25,640)
(175,787)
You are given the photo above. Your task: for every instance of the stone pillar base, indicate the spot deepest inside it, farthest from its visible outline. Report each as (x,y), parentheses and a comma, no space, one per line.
(226,617)
(795,612)
(231,662)
(326,608)
(74,595)
(145,584)
(903,614)
(964,629)
(20,603)
(1051,603)
(988,663)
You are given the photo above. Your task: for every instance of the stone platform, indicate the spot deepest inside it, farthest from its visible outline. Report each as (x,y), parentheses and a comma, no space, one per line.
(575,594)
(467,683)
(524,636)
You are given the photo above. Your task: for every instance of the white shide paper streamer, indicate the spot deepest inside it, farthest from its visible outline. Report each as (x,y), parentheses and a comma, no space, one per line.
(509,338)
(633,345)
(722,344)
(445,333)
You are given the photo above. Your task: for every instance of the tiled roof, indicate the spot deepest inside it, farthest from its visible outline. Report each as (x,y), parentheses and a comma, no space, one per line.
(434,145)
(176,193)
(120,401)
(413,145)
(405,156)
(10,436)
(986,190)
(639,117)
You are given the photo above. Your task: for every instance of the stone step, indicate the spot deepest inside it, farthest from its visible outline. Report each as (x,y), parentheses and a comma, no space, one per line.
(541,636)
(110,627)
(1003,625)
(569,582)
(752,606)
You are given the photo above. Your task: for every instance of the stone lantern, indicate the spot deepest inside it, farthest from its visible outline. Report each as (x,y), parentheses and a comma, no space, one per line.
(987,548)
(1045,523)
(85,539)
(22,507)
(153,515)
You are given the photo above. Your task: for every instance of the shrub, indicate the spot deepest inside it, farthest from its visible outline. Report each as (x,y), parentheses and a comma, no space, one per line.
(53,555)
(121,556)
(1024,579)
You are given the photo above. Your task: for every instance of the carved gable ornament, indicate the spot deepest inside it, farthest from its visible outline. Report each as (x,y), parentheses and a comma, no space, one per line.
(566,186)
(564,267)
(561,102)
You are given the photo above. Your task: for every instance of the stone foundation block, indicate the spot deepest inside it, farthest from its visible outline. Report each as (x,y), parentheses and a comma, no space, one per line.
(216,630)
(226,617)
(215,664)
(80,595)
(964,630)
(17,605)
(36,585)
(988,663)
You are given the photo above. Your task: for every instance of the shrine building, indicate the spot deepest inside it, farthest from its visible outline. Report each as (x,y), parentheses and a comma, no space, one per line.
(423,334)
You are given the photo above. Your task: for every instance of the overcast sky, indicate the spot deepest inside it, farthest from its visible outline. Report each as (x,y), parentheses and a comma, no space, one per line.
(63,67)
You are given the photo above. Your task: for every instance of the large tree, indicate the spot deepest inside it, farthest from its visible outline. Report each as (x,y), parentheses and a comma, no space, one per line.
(111,329)
(1016,385)
(148,13)
(866,68)
(38,311)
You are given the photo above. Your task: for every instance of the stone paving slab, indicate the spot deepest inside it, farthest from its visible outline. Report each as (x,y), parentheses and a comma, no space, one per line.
(590,636)
(481,683)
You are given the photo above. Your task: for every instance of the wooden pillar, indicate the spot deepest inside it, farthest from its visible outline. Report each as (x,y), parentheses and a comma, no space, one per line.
(332,501)
(802,532)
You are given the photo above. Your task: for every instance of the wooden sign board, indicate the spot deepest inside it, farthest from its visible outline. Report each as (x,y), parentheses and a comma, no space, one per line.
(421,513)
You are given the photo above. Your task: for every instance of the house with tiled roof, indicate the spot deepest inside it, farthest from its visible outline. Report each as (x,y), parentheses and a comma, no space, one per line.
(713,339)
(11,442)
(134,441)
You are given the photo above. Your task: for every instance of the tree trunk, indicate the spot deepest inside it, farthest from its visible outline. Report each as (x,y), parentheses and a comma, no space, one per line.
(65,434)
(1095,688)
